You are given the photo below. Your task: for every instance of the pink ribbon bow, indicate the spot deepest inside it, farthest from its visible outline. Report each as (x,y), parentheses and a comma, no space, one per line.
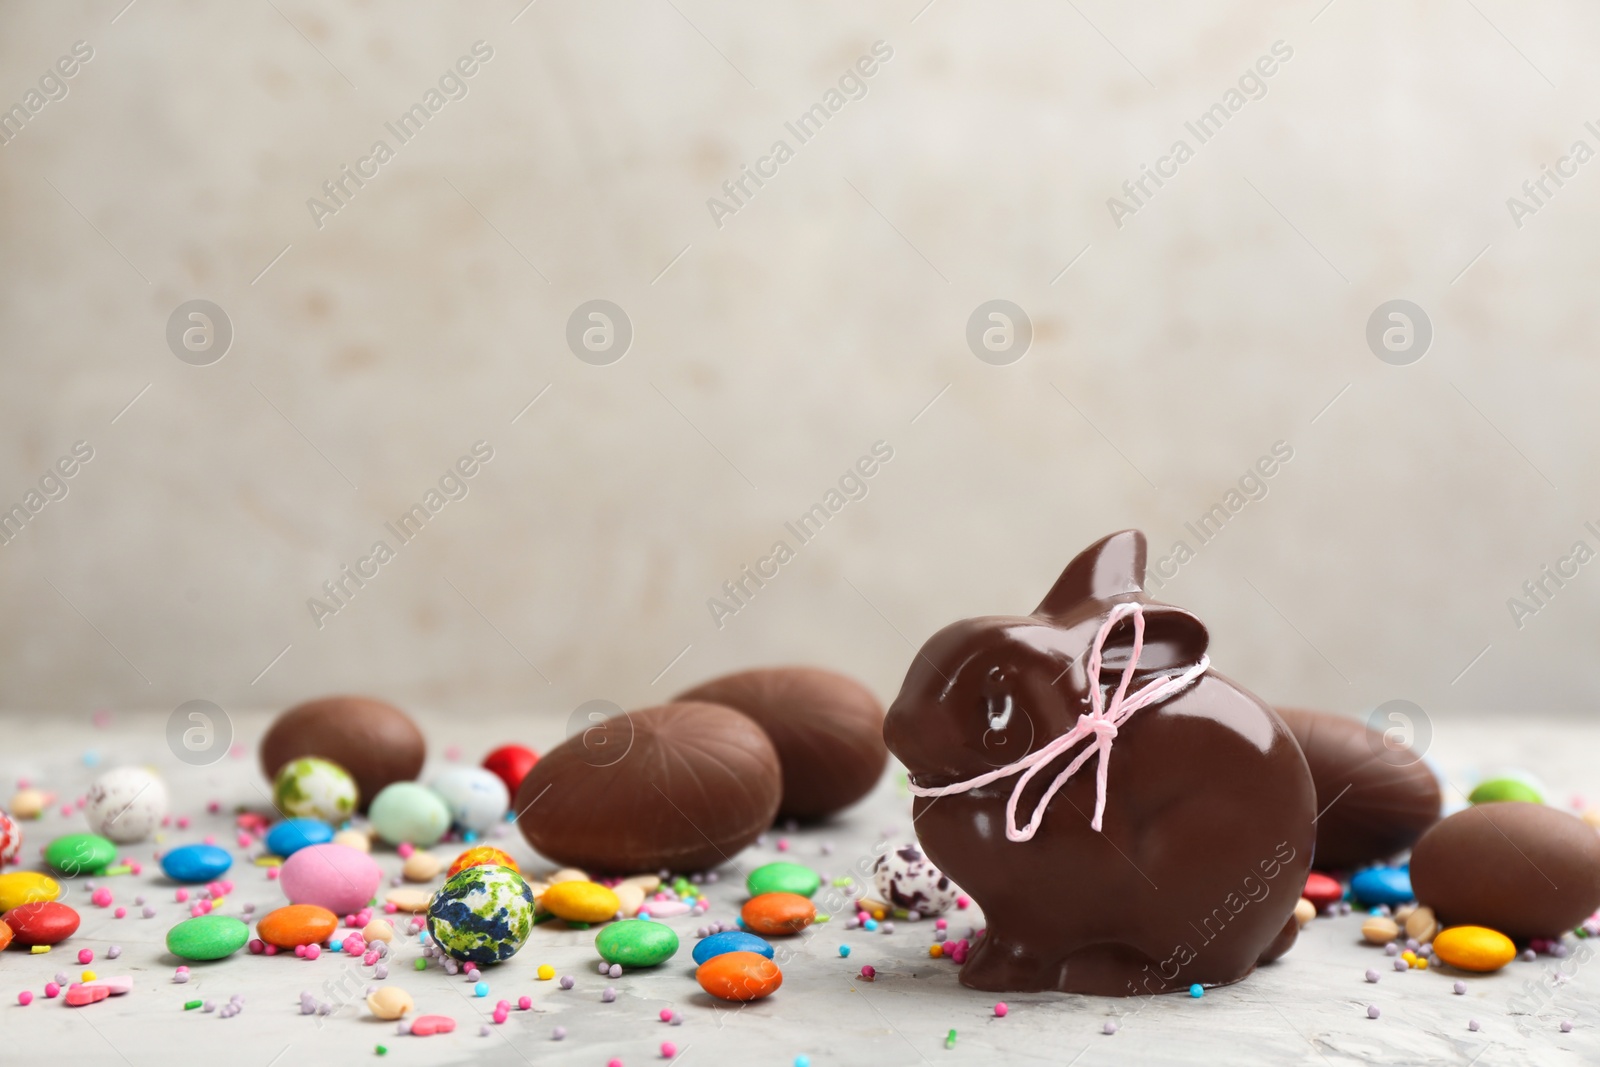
(1100,723)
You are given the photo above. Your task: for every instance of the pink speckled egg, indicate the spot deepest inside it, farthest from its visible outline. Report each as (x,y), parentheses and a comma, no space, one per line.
(336,877)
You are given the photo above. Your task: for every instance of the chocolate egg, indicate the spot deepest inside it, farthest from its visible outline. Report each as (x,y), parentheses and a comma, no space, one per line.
(1523,869)
(682,786)
(376,742)
(827,728)
(1375,800)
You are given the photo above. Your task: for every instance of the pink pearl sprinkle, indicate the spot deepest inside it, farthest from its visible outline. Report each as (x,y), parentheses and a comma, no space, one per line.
(963,901)
(244,840)
(52,990)
(210,839)
(25,998)
(941,924)
(524,1003)
(121,913)
(300,950)
(501,1015)
(666,1015)
(136,868)
(272,874)
(405,850)
(783,844)
(370,958)
(205,907)
(183,822)
(66,809)
(869,971)
(181,896)
(257,946)
(213,806)
(271,950)
(668,1050)
(313,951)
(1000,1010)
(390,909)
(86,955)
(227,886)
(195,912)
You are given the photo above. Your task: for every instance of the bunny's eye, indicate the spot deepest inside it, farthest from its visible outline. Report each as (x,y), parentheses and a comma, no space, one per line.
(999,710)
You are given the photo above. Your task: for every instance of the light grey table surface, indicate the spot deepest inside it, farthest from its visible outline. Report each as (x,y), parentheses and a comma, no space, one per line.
(1310,1008)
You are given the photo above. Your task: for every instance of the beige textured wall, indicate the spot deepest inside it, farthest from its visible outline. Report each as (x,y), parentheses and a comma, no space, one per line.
(772,351)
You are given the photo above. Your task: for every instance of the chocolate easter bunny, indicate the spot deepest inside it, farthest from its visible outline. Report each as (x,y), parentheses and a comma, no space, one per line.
(1129,820)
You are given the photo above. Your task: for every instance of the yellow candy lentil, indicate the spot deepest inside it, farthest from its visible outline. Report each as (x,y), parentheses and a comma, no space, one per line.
(583,902)
(1474,948)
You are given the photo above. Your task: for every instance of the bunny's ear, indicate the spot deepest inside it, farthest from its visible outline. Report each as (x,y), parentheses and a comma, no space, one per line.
(1173,638)
(1112,566)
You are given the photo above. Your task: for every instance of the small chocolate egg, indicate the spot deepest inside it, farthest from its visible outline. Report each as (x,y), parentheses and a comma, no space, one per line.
(1375,800)
(827,728)
(684,787)
(1523,869)
(907,879)
(376,742)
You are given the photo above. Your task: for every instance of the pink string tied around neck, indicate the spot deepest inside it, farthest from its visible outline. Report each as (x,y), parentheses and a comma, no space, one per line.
(1100,724)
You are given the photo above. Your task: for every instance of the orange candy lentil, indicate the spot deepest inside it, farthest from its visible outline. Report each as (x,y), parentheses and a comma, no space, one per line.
(739,976)
(5,936)
(481,856)
(297,924)
(777,913)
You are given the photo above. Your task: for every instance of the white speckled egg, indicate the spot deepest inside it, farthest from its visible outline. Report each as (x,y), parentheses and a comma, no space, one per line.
(126,804)
(906,879)
(477,798)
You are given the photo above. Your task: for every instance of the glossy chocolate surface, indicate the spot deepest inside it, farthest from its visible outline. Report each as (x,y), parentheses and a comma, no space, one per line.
(1524,869)
(683,786)
(1378,799)
(1208,822)
(827,728)
(376,742)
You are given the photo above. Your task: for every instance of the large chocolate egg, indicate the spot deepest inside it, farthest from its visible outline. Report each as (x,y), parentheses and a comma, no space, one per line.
(376,742)
(827,728)
(1523,869)
(683,786)
(1375,799)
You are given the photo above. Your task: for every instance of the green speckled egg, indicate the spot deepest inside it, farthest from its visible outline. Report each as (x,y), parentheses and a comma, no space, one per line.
(312,788)
(483,914)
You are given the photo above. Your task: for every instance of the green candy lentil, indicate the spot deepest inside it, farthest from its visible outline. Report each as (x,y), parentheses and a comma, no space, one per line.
(207,937)
(782,877)
(637,943)
(76,854)
(1498,789)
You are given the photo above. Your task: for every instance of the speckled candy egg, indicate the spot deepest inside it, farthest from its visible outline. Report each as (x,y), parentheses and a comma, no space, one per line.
(483,914)
(906,879)
(314,788)
(477,798)
(10,839)
(126,804)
